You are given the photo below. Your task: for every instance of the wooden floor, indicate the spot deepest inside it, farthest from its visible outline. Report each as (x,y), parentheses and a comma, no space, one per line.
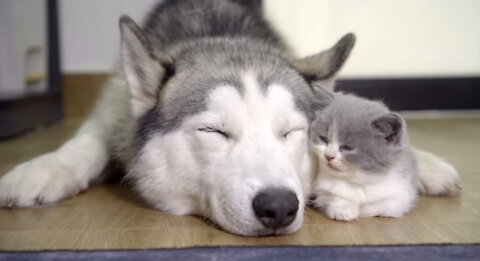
(112,217)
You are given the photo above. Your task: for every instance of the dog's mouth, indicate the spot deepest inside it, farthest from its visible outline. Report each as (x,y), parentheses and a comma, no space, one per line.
(257,232)
(262,232)
(270,233)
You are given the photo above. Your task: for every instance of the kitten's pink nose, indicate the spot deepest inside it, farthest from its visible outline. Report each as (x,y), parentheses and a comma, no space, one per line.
(329,157)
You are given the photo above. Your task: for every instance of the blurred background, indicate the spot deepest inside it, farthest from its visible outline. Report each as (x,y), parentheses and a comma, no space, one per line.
(416,55)
(395,38)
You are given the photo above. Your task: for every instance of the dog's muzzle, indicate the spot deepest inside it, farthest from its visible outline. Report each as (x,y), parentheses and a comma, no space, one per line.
(275,207)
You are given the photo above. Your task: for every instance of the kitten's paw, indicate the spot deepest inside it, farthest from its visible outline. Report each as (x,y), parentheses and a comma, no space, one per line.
(395,208)
(41,180)
(342,211)
(437,177)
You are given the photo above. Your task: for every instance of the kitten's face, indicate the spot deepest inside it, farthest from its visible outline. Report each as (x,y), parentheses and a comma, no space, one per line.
(354,134)
(333,149)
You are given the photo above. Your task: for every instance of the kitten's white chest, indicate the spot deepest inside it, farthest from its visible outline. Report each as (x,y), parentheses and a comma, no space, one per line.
(361,188)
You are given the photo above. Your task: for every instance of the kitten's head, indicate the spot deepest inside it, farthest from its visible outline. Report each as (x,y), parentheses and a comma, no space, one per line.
(353,133)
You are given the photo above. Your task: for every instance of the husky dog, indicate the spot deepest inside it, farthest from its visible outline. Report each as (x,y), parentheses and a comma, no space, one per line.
(209,115)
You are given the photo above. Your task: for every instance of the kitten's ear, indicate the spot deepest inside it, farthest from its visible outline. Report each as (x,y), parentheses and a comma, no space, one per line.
(323,97)
(322,68)
(145,70)
(390,127)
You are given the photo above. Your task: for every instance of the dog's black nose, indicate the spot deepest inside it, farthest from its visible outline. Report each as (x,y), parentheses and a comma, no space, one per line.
(275,207)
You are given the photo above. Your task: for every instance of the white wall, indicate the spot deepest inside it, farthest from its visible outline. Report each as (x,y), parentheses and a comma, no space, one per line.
(395,38)
(89,34)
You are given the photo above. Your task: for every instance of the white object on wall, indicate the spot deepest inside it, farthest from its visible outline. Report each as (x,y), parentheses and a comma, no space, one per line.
(406,38)
(23,47)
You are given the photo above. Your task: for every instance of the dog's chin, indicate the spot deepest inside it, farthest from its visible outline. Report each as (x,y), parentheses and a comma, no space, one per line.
(265,232)
(258,230)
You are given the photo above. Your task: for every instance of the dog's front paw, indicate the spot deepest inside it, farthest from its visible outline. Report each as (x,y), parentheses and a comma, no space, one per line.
(343,211)
(41,180)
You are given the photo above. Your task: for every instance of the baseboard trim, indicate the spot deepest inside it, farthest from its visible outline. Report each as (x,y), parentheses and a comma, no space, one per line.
(21,114)
(445,94)
(461,93)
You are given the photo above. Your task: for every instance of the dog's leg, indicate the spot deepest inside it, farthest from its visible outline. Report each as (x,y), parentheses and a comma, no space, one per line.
(58,174)
(71,168)
(437,177)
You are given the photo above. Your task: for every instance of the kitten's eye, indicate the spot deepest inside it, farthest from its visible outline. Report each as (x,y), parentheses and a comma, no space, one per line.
(213,130)
(345,148)
(324,139)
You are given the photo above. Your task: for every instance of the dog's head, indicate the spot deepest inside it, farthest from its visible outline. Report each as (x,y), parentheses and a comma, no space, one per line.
(222,128)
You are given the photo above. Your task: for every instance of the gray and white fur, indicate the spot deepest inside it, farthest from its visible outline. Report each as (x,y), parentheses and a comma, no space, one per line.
(208,113)
(367,167)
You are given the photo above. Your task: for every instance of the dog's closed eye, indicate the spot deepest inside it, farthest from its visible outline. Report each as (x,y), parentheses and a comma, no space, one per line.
(215,131)
(285,134)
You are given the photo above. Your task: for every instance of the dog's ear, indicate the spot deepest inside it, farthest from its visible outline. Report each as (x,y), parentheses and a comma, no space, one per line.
(322,68)
(323,97)
(145,69)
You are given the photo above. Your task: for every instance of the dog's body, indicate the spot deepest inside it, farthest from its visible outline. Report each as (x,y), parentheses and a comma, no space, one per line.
(209,116)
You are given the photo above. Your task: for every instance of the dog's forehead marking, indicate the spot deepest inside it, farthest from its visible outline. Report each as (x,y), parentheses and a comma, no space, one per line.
(251,86)
(256,97)
(259,107)
(246,94)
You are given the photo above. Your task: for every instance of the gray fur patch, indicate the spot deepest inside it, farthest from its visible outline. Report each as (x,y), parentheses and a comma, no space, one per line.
(327,64)
(211,42)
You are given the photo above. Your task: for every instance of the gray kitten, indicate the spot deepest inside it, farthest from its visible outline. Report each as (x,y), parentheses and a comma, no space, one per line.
(366,166)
